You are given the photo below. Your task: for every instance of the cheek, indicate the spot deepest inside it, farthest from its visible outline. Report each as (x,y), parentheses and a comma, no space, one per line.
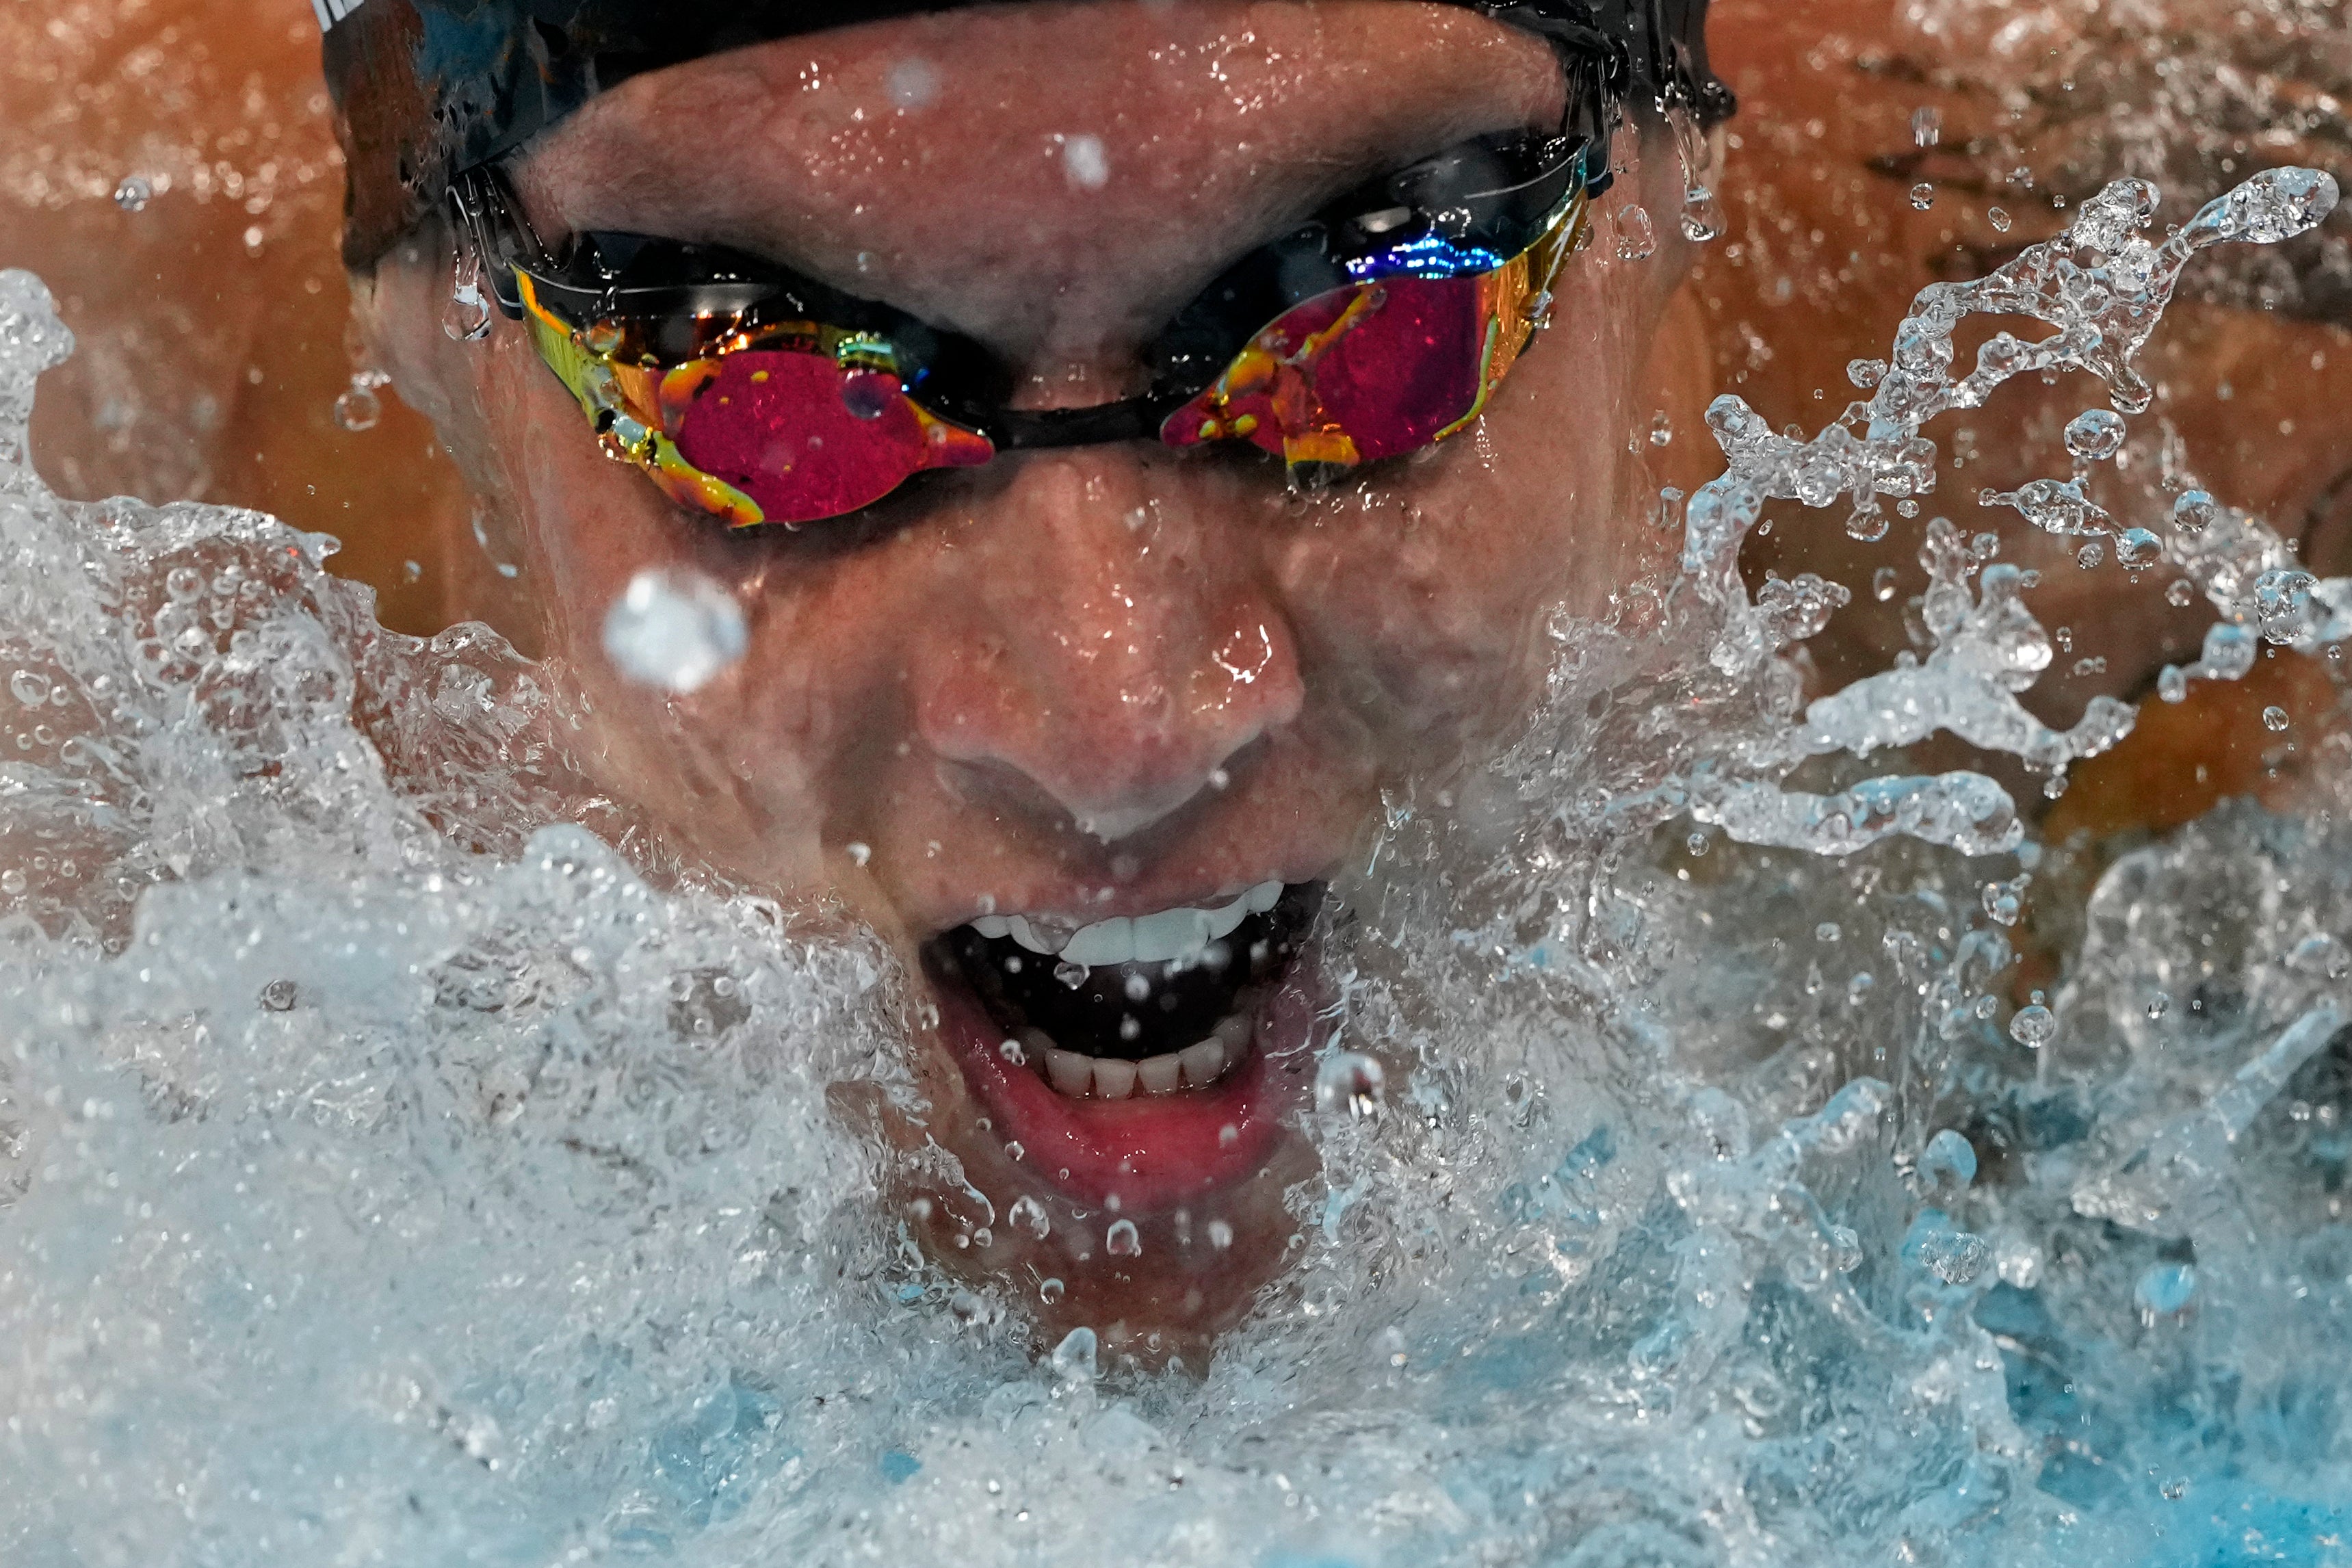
(1437,581)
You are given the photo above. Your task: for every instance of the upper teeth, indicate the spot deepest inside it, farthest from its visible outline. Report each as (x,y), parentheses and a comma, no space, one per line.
(1141,939)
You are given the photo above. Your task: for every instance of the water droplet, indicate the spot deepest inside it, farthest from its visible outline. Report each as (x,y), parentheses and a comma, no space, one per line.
(2137,548)
(358,408)
(1865,374)
(1948,1164)
(2095,434)
(31,688)
(1350,1081)
(2172,683)
(2165,1291)
(2090,556)
(1662,429)
(1070,974)
(1882,584)
(1121,1239)
(859,853)
(1028,1216)
(914,82)
(12,881)
(1083,163)
(1637,240)
(2004,901)
(1050,1289)
(1828,931)
(2274,717)
(1670,508)
(2033,1027)
(1845,1248)
(674,630)
(1221,1234)
(1702,215)
(1074,1358)
(1999,219)
(465,315)
(2193,511)
(1698,843)
(133,194)
(2174,1490)
(869,393)
(278,996)
(1927,125)
(1923,196)
(2181,594)
(2159,1004)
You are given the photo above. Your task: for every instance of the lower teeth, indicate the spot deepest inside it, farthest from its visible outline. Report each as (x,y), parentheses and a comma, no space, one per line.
(1197,1066)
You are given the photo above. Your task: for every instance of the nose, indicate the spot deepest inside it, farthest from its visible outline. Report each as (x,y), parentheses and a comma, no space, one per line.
(1103,652)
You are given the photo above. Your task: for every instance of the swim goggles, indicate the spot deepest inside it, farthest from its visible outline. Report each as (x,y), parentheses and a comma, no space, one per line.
(743,389)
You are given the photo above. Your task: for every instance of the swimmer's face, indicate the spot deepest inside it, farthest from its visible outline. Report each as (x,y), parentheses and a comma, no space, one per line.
(1083,684)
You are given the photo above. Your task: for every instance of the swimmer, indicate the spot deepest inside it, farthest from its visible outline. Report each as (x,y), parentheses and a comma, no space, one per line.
(1136,435)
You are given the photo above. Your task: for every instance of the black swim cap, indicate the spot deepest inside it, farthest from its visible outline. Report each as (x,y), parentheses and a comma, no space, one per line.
(424,90)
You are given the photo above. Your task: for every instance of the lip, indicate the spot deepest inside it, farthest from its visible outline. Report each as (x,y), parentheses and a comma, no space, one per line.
(1149,1153)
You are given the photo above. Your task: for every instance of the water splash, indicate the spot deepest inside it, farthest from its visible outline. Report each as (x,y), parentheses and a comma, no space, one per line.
(394,1172)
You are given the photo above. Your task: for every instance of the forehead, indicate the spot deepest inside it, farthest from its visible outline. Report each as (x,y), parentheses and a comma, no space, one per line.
(1161,112)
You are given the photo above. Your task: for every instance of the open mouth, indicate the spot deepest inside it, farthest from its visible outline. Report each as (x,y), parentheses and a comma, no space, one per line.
(1130,1059)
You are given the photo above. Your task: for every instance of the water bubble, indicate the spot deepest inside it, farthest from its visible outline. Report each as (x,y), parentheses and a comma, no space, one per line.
(1050,1289)
(1865,374)
(2159,1004)
(1955,1256)
(2095,434)
(859,853)
(31,688)
(2174,1490)
(1221,1234)
(2193,511)
(1882,584)
(1070,974)
(2172,684)
(2165,1291)
(278,996)
(2033,1027)
(1350,1081)
(1923,196)
(2005,901)
(674,630)
(358,408)
(2274,717)
(1828,931)
(1999,219)
(12,881)
(1074,1359)
(134,192)
(1122,1240)
(1028,1216)
(186,585)
(2181,594)
(1926,126)
(1637,240)
(1662,429)
(2090,556)
(1697,843)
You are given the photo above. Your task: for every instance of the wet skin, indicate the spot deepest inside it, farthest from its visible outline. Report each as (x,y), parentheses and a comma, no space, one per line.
(1093,682)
